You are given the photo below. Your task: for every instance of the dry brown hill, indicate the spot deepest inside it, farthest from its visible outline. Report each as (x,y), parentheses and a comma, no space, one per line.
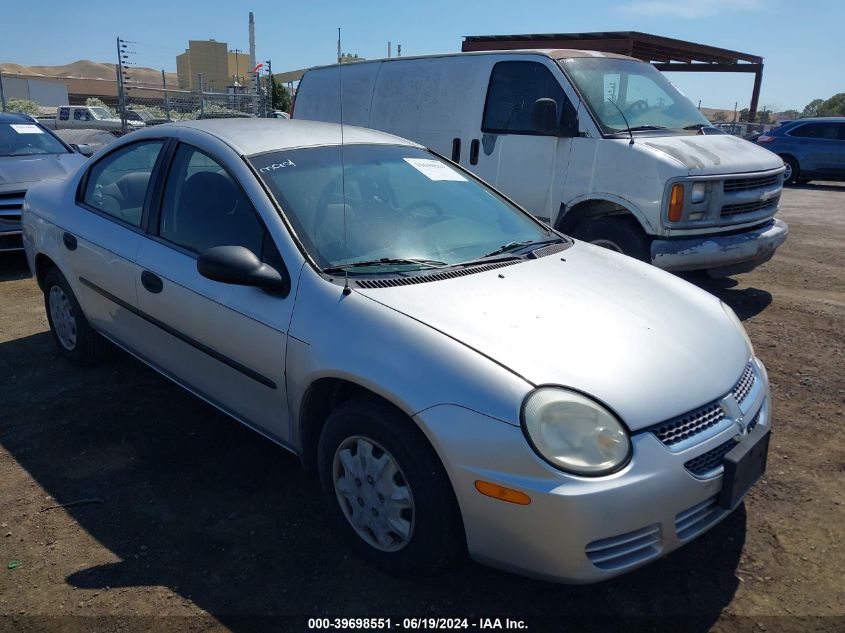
(91,70)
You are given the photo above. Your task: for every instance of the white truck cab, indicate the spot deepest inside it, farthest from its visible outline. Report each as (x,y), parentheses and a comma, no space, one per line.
(598,145)
(91,117)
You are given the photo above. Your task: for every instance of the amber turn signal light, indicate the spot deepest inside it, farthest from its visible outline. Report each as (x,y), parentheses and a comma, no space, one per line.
(500,492)
(676,202)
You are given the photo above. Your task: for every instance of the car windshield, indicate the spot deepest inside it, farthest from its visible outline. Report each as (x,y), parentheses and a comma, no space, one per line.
(101,113)
(399,209)
(24,138)
(645,97)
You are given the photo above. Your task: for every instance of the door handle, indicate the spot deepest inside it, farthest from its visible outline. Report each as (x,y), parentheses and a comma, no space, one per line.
(152,282)
(69,241)
(473,151)
(456,150)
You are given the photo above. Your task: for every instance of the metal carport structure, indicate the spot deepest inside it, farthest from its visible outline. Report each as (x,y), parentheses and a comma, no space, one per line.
(665,53)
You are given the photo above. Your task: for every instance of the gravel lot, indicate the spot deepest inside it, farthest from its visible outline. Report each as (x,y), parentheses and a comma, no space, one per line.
(199,524)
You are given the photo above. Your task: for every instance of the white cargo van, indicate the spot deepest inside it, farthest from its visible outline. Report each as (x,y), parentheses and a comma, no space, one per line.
(600,146)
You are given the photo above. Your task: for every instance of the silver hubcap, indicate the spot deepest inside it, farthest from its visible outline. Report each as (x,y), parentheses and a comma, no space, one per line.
(61,314)
(373,493)
(788,173)
(613,246)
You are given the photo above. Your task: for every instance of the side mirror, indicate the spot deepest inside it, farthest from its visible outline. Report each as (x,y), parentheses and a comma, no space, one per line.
(544,116)
(83,148)
(240,266)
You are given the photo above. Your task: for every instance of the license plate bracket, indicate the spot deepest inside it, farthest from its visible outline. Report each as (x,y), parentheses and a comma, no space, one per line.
(744,465)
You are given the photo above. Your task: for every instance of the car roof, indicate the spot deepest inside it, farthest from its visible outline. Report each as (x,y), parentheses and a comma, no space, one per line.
(257,136)
(818,119)
(14,117)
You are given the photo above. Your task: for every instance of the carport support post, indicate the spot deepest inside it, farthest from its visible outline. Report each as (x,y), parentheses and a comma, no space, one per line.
(166,98)
(755,93)
(2,94)
(202,99)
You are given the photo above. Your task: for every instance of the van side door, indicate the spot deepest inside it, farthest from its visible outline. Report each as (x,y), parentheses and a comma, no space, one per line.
(526,164)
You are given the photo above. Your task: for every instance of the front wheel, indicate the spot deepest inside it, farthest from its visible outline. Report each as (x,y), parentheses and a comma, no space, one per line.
(620,234)
(74,336)
(387,490)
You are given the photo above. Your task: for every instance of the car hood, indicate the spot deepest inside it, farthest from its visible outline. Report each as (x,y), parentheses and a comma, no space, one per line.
(646,343)
(713,153)
(28,169)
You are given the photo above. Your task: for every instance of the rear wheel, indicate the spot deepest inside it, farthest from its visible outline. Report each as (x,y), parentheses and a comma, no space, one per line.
(790,176)
(620,234)
(387,490)
(76,339)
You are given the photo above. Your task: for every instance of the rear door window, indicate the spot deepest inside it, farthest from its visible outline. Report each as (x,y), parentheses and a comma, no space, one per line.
(117,184)
(828,131)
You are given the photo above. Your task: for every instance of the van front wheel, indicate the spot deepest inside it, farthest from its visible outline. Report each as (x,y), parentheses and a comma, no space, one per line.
(619,234)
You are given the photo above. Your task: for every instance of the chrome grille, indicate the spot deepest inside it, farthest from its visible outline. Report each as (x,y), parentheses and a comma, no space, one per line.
(743,184)
(625,550)
(710,461)
(688,425)
(695,520)
(743,386)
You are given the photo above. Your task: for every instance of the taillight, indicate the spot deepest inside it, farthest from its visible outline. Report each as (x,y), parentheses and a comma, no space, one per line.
(676,202)
(764,138)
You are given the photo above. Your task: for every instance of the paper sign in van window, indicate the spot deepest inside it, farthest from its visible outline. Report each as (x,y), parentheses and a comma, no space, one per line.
(434,169)
(26,128)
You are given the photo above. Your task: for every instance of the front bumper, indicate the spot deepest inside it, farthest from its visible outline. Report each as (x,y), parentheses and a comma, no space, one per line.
(721,255)
(10,239)
(576,529)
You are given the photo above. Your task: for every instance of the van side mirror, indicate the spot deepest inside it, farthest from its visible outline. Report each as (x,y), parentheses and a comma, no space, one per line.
(544,116)
(240,266)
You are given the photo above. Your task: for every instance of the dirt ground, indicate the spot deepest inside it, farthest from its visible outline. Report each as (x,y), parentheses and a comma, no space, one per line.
(180,519)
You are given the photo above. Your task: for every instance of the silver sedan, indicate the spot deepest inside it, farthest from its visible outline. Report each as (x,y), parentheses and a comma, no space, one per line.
(458,375)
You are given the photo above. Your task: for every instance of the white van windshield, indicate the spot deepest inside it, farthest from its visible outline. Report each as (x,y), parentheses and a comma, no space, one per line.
(645,97)
(400,208)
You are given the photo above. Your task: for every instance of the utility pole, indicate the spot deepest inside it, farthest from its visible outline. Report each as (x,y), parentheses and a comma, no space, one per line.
(121,101)
(2,94)
(736,103)
(166,97)
(338,45)
(270,87)
(398,50)
(388,49)
(237,77)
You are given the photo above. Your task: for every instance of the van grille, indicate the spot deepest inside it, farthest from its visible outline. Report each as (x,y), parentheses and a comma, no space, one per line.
(393,282)
(744,384)
(625,550)
(748,207)
(743,184)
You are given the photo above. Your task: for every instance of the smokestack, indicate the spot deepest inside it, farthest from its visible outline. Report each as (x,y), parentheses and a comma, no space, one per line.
(251,40)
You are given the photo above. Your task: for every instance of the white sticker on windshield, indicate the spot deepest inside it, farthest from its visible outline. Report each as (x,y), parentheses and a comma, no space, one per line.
(26,128)
(434,169)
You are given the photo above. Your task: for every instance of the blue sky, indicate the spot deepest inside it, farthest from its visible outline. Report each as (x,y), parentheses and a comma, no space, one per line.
(801,42)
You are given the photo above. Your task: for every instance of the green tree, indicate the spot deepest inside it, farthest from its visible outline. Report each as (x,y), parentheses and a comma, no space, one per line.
(281,96)
(791,115)
(24,106)
(764,116)
(835,106)
(743,114)
(812,108)
(720,116)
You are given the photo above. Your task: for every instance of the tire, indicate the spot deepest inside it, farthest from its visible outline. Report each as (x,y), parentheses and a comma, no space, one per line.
(430,536)
(791,175)
(620,234)
(76,339)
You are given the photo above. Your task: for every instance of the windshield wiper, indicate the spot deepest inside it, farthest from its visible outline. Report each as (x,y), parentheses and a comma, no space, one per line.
(648,127)
(509,248)
(386,261)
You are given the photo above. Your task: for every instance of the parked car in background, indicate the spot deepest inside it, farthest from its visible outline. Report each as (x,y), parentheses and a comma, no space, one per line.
(811,149)
(458,374)
(89,117)
(29,153)
(597,145)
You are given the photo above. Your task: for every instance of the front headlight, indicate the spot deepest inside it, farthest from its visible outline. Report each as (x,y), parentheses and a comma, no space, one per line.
(699,191)
(574,433)
(733,317)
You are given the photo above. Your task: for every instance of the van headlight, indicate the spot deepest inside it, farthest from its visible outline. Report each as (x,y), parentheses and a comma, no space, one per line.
(574,433)
(733,317)
(699,192)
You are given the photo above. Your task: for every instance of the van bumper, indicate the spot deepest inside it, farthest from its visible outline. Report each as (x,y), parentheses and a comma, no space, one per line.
(721,255)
